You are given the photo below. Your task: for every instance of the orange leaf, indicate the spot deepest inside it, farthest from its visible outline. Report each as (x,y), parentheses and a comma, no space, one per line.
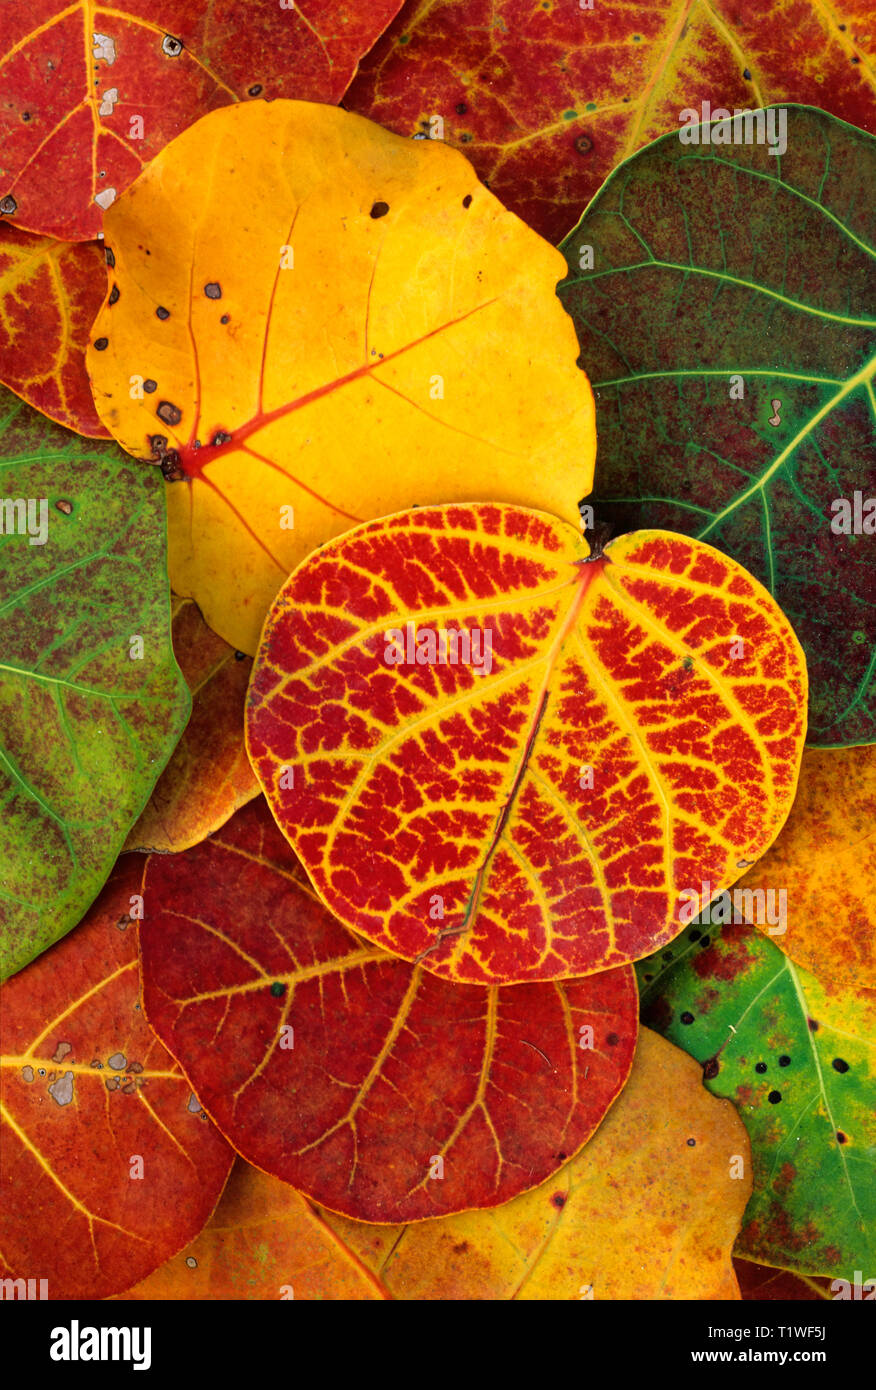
(264,1241)
(342,348)
(648,1210)
(50,292)
(829,840)
(109,1165)
(542,795)
(209,775)
(375,1087)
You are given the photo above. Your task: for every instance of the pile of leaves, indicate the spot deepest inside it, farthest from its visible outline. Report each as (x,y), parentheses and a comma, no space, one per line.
(434,863)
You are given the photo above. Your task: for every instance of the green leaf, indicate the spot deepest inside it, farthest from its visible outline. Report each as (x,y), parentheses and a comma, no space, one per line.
(800,1066)
(717,261)
(87,725)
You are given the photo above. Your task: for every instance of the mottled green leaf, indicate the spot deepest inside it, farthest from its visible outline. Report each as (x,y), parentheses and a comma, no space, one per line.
(86,725)
(800,1065)
(715,261)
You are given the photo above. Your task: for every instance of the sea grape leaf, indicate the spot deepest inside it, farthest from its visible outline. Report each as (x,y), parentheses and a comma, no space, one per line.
(109,1164)
(713,264)
(828,839)
(209,775)
(373,1086)
(92,701)
(92,92)
(547,812)
(264,1241)
(351,346)
(647,1210)
(50,292)
(546,98)
(761,1283)
(799,1065)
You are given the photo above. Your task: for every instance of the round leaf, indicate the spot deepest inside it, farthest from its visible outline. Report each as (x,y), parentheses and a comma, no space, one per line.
(720,269)
(374,1087)
(91,699)
(648,1210)
(347,344)
(109,1164)
(539,809)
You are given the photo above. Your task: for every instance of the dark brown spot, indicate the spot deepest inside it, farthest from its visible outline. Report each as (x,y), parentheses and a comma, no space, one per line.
(583,145)
(559,1200)
(101,344)
(379,209)
(149,385)
(110,258)
(841,1138)
(784,1060)
(813,1026)
(687,1017)
(466,140)
(169,413)
(240,656)
(774,1097)
(213,290)
(114,294)
(711,1067)
(612,1040)
(64,506)
(839,1065)
(691,1143)
(171,470)
(255,90)
(162,313)
(158,445)
(220,437)
(760,1067)
(461,108)
(8,205)
(226,318)
(466,202)
(461,1248)
(25,115)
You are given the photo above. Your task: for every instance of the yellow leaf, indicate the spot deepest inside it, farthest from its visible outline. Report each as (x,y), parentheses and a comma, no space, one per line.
(641,1213)
(330,323)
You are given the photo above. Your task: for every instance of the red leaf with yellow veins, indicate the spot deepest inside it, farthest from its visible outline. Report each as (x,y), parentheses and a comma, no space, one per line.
(209,775)
(109,1164)
(50,292)
(510,759)
(376,1088)
(93,92)
(545,98)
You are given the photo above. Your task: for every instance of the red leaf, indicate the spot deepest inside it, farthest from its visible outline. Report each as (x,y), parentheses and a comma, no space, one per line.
(550,811)
(87,1089)
(78,79)
(545,97)
(389,1068)
(50,292)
